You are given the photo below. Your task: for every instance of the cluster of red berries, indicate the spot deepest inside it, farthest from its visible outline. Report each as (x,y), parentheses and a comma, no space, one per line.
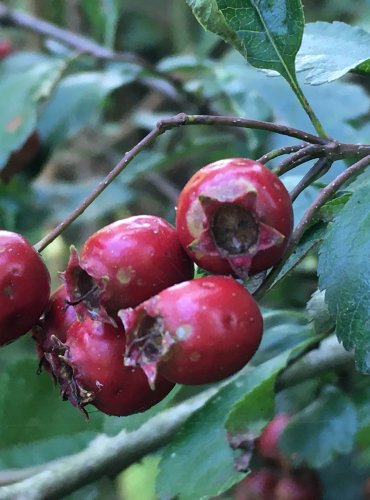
(129,321)
(278,479)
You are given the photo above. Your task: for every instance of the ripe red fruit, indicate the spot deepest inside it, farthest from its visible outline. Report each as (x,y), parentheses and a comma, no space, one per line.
(258,485)
(267,444)
(24,286)
(53,327)
(235,217)
(124,264)
(94,372)
(302,484)
(196,332)
(6,48)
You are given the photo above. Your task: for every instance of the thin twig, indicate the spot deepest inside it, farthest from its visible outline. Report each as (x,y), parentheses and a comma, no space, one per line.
(324,196)
(305,154)
(286,150)
(318,170)
(162,126)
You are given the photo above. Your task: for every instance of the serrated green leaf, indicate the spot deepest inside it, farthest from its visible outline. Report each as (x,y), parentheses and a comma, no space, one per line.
(331,50)
(346,283)
(200,449)
(324,429)
(267,33)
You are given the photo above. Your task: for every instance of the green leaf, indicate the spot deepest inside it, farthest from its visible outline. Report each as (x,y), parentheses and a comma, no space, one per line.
(268,33)
(324,429)
(330,50)
(200,450)
(252,412)
(19,97)
(78,99)
(24,393)
(309,241)
(283,330)
(318,313)
(346,283)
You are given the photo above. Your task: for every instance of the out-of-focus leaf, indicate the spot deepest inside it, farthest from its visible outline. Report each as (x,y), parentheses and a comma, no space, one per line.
(283,330)
(49,422)
(323,430)
(331,50)
(78,100)
(18,102)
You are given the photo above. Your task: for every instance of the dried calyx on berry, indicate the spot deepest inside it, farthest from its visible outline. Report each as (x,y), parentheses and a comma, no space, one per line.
(89,370)
(196,332)
(123,264)
(235,217)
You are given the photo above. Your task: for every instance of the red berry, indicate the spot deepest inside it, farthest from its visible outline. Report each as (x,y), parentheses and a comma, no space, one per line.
(234,217)
(196,332)
(302,484)
(24,286)
(258,485)
(92,371)
(52,328)
(268,443)
(124,264)
(6,48)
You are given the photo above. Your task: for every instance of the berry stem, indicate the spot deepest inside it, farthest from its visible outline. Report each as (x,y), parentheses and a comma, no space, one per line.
(286,150)
(324,196)
(333,149)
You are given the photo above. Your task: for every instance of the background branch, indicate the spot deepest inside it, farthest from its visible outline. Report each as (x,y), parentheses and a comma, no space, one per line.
(110,455)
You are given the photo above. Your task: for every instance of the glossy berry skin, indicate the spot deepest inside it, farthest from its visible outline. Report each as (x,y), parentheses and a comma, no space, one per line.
(258,485)
(196,332)
(24,286)
(299,485)
(94,372)
(52,328)
(235,217)
(267,444)
(124,264)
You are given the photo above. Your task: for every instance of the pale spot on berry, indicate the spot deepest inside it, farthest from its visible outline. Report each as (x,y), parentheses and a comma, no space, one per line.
(194,356)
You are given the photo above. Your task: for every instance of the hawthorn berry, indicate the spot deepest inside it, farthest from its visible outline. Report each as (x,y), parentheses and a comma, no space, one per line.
(52,328)
(267,444)
(123,264)
(258,485)
(300,484)
(24,286)
(235,217)
(92,371)
(196,332)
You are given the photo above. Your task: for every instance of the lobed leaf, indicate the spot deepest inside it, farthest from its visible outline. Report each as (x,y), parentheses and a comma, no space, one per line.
(331,50)
(268,33)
